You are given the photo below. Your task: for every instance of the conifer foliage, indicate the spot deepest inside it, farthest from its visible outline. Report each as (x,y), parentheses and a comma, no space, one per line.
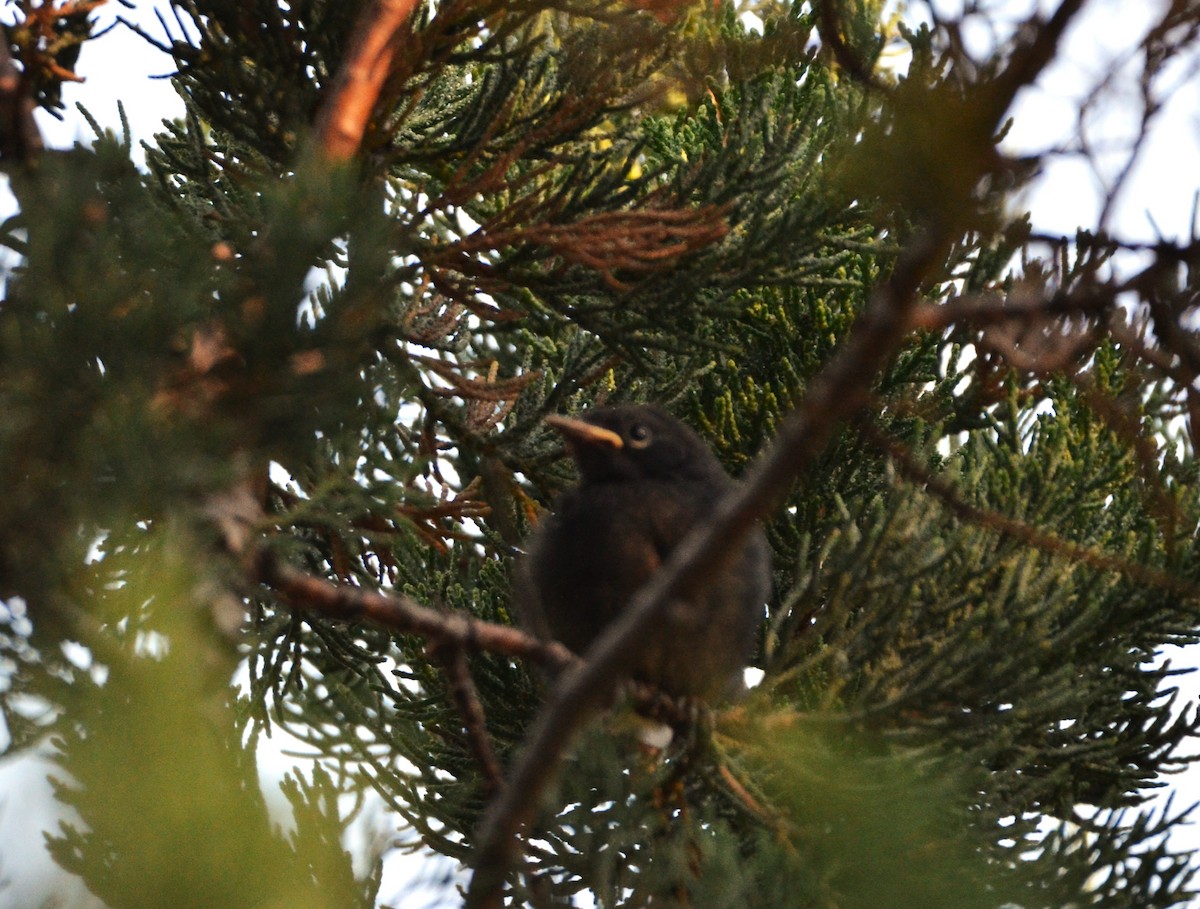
(273,433)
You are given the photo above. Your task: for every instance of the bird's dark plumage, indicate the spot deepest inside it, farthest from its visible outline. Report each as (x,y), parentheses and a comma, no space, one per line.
(645,481)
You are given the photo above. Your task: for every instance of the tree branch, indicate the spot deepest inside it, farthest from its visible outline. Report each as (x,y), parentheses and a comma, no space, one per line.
(345,115)
(398,613)
(20,139)
(829,27)
(1022,304)
(1033,537)
(1028,62)
(466,698)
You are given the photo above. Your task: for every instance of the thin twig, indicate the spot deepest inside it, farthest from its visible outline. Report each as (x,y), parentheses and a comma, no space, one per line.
(1031,536)
(466,698)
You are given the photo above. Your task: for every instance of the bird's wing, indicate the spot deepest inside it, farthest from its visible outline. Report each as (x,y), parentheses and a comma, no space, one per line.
(670,516)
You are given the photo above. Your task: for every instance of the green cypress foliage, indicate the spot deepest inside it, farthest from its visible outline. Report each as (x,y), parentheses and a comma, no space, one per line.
(965,701)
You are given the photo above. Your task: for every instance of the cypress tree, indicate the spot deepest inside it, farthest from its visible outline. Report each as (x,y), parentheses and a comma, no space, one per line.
(273,436)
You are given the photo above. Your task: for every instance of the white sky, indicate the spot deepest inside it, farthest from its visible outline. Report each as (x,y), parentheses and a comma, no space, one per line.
(1156,203)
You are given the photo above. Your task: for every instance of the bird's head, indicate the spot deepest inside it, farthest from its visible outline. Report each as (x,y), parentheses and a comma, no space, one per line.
(633,442)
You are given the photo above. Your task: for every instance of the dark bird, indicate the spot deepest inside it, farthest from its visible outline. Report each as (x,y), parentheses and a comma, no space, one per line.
(645,480)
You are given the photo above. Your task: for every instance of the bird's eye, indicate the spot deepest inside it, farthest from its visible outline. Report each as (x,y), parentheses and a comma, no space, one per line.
(639,436)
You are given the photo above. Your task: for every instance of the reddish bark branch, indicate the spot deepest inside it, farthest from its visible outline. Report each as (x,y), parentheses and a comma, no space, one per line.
(399,613)
(346,114)
(20,139)
(1021,305)
(452,636)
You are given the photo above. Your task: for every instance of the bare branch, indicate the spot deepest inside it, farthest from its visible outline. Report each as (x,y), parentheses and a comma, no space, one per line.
(466,698)
(1022,304)
(345,115)
(399,613)
(1028,62)
(1041,345)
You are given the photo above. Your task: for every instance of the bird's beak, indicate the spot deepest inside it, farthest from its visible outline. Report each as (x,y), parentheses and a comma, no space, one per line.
(577,432)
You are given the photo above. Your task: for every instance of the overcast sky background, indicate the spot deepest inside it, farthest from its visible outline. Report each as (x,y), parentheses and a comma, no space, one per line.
(1158,202)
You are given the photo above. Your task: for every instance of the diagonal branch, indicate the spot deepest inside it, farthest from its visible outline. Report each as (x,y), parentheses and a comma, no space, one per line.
(1034,537)
(345,115)
(466,698)
(829,27)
